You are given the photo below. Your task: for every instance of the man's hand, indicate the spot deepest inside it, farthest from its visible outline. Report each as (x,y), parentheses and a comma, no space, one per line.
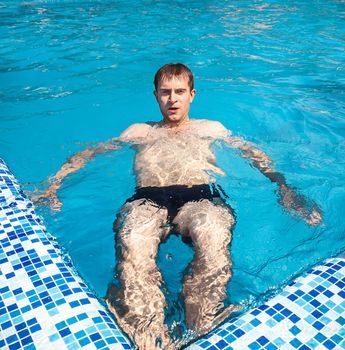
(48,196)
(287,196)
(298,204)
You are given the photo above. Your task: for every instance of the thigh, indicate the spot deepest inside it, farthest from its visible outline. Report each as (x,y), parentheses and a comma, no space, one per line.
(209,225)
(140,226)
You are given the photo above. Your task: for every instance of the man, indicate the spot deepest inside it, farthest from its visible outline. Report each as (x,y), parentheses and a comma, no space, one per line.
(176,192)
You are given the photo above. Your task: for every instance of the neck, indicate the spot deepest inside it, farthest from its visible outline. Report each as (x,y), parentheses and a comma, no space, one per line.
(175,124)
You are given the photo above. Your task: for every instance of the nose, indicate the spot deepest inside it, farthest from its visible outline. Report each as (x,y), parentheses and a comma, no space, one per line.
(172,97)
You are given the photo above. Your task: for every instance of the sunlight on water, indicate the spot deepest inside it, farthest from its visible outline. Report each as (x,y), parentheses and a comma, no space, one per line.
(273,72)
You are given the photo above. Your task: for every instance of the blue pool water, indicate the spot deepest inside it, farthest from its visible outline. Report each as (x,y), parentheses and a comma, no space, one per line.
(74,73)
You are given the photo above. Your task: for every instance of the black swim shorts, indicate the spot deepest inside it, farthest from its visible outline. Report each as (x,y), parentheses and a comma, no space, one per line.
(174,197)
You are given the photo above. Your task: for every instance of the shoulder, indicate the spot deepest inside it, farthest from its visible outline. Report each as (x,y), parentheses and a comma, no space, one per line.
(135,131)
(211,128)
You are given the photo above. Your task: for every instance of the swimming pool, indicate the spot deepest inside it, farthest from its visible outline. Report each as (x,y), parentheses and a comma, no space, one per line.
(270,71)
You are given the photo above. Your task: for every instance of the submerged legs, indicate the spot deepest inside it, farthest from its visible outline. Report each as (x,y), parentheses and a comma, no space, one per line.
(139,304)
(204,289)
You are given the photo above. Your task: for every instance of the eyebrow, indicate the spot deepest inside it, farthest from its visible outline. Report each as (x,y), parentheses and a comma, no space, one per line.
(179,88)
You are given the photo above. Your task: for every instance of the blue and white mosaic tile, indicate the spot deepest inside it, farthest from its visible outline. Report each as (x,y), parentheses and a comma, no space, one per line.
(308,314)
(45,305)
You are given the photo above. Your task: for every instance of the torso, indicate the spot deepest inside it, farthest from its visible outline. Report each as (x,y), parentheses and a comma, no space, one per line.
(176,156)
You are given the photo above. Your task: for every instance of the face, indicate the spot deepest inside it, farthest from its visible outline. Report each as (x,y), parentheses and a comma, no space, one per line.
(174,97)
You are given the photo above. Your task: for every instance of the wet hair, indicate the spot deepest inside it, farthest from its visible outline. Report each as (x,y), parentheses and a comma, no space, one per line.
(174,70)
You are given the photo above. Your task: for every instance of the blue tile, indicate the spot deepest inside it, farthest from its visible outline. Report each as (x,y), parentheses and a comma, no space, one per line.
(100,344)
(329,344)
(254,346)
(315,303)
(278,306)
(323,309)
(328,293)
(239,333)
(74,303)
(295,330)
(23,333)
(271,311)
(292,297)
(65,332)
(314,293)
(230,338)
(12,307)
(342,294)
(295,343)
(221,344)
(286,312)
(26,341)
(31,321)
(320,337)
(84,341)
(11,339)
(307,297)
(255,312)
(72,320)
(6,325)
(278,317)
(318,325)
(95,336)
(82,316)
(294,318)
(15,346)
(340,320)
(111,340)
(222,333)
(255,322)
(316,314)
(336,338)
(80,334)
(35,328)
(271,322)
(61,325)
(262,340)
(320,288)
(332,279)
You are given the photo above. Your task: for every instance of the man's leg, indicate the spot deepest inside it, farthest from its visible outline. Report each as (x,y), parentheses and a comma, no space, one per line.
(204,290)
(139,304)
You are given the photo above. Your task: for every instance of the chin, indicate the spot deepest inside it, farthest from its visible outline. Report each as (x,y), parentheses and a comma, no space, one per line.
(173,119)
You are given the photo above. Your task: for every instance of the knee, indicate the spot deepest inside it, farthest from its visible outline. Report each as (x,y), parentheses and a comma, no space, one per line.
(204,216)
(139,214)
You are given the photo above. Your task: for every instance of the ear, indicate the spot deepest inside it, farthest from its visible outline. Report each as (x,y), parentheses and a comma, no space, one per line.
(156,95)
(192,94)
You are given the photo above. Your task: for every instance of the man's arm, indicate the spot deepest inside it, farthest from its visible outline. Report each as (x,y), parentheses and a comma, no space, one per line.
(134,133)
(73,164)
(262,162)
(287,196)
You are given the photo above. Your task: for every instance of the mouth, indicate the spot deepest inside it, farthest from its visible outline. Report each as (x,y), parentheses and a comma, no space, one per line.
(173,109)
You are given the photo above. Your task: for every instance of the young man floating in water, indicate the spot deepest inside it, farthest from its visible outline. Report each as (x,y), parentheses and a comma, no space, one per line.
(175,192)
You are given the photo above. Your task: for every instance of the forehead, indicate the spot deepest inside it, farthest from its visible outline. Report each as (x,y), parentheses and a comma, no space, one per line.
(175,81)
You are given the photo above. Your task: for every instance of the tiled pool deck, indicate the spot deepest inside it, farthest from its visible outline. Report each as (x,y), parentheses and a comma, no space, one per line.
(45,305)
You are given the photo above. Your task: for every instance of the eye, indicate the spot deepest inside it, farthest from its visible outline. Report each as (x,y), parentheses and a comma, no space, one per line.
(180,91)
